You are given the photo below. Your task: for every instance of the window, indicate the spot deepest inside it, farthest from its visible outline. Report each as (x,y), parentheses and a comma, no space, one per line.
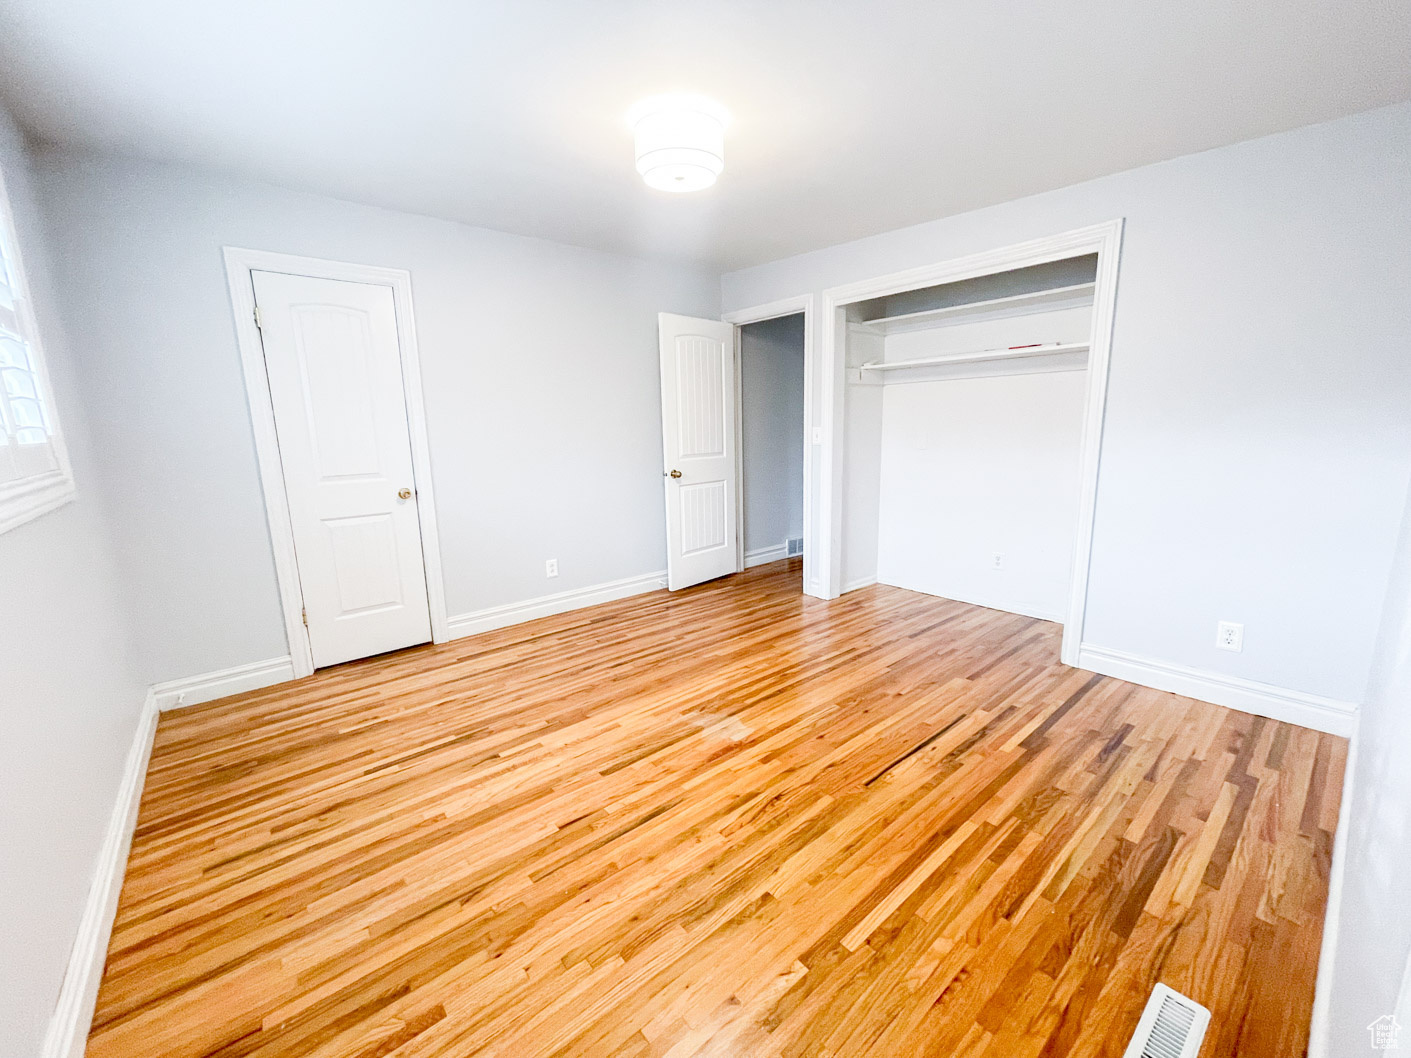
(34,468)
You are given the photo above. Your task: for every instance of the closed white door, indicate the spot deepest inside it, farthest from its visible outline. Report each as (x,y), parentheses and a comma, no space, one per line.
(335,380)
(698,441)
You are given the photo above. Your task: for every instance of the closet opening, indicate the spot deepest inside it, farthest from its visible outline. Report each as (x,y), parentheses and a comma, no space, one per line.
(967,419)
(770,403)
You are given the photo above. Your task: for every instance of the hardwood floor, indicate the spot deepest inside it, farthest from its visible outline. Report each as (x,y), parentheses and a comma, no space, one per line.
(730,821)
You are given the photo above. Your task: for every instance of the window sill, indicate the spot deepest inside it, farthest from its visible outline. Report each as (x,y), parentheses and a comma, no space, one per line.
(23,501)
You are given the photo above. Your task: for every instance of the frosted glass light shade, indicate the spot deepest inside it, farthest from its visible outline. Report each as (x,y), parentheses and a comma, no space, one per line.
(680,141)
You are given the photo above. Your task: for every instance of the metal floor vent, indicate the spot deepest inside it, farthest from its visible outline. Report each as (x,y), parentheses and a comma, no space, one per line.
(1172,1026)
(794,546)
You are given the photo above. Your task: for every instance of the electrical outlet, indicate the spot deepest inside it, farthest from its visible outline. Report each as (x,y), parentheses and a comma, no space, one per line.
(996,561)
(1229,636)
(551,567)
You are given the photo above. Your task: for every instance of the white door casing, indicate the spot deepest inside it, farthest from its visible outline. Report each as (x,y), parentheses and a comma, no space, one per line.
(801,304)
(335,381)
(698,446)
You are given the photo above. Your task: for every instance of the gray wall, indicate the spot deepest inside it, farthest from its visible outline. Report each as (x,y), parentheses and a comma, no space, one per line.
(1374,919)
(771,383)
(1255,462)
(71,697)
(1257,444)
(539,364)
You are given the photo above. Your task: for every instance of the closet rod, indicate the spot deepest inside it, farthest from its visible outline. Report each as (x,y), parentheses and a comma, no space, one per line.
(979,355)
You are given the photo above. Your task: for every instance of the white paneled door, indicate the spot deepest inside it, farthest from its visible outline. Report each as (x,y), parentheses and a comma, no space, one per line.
(698,441)
(335,381)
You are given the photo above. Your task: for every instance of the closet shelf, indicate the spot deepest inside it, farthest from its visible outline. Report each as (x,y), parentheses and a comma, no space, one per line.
(1012,305)
(979,356)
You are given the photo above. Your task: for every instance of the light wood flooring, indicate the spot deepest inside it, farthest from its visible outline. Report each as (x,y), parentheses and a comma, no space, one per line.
(730,821)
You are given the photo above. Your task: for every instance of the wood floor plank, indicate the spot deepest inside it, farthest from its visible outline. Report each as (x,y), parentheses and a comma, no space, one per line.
(732,820)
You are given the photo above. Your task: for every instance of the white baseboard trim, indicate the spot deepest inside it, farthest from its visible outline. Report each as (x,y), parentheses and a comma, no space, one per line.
(1320,1029)
(1248,696)
(1037,614)
(860,582)
(207,687)
(67,1036)
(1003,605)
(760,555)
(468,624)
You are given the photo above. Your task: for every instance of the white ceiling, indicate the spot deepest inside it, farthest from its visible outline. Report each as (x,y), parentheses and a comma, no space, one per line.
(850,118)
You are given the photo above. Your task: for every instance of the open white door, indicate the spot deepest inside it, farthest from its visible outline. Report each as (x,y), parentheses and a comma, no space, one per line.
(698,442)
(335,383)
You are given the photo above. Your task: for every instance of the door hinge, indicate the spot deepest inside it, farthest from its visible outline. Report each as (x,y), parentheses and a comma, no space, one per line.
(257,316)
(304,613)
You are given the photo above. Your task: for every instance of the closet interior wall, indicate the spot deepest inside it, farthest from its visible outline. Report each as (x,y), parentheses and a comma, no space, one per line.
(961,474)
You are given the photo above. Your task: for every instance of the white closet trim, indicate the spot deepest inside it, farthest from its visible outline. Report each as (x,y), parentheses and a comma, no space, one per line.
(1105,240)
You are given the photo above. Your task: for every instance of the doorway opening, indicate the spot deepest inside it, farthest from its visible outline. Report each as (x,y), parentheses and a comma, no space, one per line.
(704,441)
(962,420)
(964,417)
(770,385)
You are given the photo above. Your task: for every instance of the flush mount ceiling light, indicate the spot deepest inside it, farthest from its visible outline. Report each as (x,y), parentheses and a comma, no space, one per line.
(680,141)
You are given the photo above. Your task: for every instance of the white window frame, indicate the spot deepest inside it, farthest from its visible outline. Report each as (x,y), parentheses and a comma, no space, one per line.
(26,498)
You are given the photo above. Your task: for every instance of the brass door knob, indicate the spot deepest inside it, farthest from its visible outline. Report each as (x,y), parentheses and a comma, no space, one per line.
(404,494)
(676,473)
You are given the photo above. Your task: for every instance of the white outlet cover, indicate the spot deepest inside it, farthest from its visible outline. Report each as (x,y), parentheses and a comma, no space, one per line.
(551,567)
(996,560)
(1229,635)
